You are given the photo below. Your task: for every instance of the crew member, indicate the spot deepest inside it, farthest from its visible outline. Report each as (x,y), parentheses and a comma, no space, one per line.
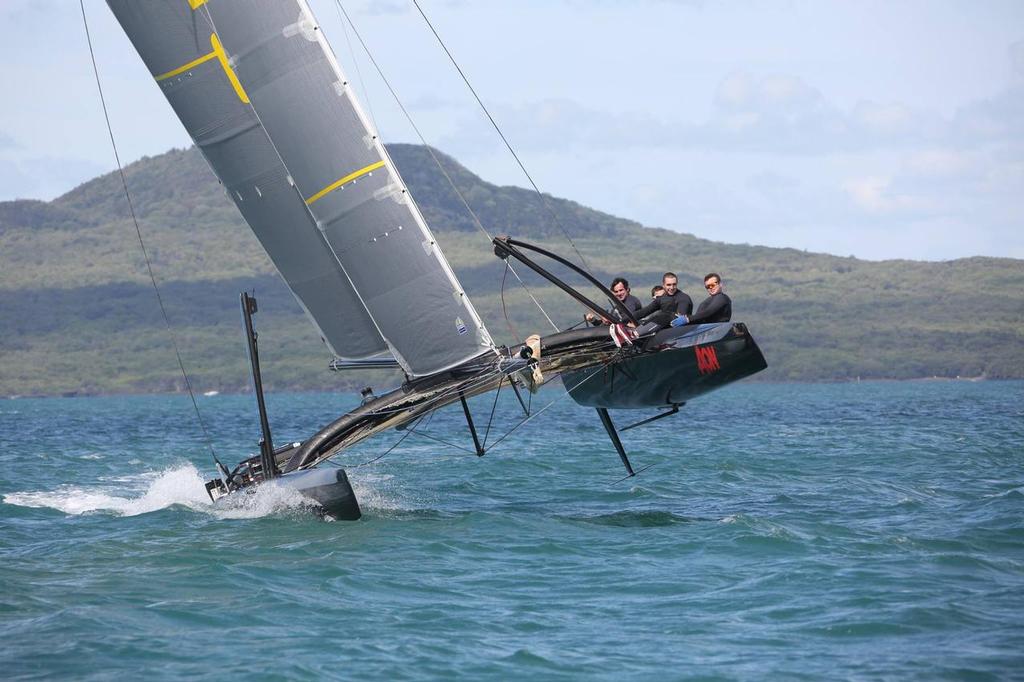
(717,307)
(664,308)
(619,287)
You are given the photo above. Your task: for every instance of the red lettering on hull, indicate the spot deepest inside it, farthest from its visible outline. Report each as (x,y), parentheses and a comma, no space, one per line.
(707,359)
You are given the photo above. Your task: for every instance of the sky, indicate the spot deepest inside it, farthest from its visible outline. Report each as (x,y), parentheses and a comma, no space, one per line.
(878,129)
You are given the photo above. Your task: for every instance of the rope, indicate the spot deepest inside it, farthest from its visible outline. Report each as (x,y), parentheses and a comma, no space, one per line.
(536,189)
(142,243)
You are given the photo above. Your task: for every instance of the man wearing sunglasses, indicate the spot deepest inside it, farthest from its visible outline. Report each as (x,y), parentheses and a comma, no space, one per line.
(717,307)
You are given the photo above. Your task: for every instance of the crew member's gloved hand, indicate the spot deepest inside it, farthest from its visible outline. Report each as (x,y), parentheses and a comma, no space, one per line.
(680,321)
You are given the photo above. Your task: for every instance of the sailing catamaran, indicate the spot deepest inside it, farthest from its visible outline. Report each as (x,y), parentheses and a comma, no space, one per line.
(259,90)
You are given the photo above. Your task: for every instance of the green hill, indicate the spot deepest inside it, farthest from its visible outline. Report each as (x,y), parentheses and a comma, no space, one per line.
(79,315)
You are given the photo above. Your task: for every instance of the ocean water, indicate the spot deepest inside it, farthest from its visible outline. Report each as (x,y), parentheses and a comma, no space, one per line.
(791,531)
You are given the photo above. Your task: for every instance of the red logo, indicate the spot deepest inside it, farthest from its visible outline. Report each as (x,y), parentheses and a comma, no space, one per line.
(707,359)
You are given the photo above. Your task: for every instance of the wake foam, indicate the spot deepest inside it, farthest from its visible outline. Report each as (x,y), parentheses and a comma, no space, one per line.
(154,491)
(184,486)
(263,500)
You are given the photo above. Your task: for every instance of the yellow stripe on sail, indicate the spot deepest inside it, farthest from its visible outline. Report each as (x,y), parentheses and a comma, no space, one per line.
(191,65)
(222,56)
(194,4)
(347,179)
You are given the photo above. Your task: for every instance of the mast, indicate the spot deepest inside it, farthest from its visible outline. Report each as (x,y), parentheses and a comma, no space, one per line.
(249,308)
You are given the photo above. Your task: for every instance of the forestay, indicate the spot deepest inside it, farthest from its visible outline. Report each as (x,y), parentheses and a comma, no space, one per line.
(257,88)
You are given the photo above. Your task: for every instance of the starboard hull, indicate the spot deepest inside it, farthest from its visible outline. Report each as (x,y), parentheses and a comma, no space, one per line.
(670,368)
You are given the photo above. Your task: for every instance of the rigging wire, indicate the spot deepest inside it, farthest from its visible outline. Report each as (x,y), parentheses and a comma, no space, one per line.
(437,161)
(142,243)
(504,310)
(565,395)
(494,123)
(494,407)
(391,449)
(412,428)
(355,63)
(444,442)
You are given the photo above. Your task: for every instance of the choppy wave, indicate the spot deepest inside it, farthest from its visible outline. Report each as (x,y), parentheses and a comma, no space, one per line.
(882,546)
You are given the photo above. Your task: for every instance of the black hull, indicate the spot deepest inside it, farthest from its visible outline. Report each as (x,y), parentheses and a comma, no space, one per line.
(672,367)
(328,490)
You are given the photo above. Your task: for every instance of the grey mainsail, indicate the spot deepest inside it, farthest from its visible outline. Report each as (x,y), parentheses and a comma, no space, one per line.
(258,89)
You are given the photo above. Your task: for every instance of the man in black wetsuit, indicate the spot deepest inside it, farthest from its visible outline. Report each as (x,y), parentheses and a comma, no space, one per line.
(619,287)
(664,308)
(717,307)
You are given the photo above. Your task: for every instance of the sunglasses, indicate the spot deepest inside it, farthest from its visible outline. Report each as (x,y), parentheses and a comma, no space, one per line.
(709,287)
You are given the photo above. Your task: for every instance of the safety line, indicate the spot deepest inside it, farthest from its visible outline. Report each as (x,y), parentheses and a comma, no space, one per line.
(494,123)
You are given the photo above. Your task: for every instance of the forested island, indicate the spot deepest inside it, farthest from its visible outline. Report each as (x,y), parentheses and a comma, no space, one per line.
(79,315)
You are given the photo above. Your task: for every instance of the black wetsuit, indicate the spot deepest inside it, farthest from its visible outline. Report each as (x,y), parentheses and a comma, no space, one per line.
(631,302)
(716,308)
(664,308)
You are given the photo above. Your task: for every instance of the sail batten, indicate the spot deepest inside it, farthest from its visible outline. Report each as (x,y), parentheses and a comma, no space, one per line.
(259,90)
